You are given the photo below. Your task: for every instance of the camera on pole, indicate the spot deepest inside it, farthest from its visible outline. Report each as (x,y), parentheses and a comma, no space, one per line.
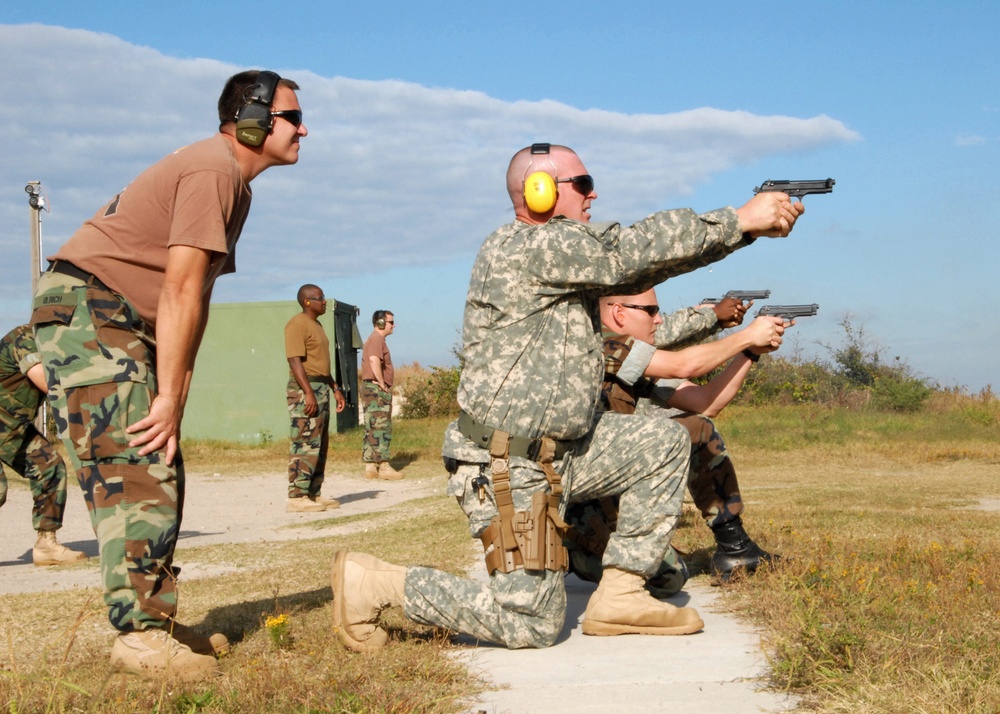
(35,198)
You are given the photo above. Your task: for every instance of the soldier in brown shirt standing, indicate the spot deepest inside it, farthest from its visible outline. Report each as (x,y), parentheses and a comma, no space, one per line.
(309,387)
(376,398)
(118,319)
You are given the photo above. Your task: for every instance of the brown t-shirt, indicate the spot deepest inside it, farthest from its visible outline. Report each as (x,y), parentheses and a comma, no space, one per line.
(306,338)
(196,196)
(375,347)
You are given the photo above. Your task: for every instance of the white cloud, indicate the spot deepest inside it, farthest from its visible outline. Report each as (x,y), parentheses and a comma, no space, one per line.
(969,140)
(416,172)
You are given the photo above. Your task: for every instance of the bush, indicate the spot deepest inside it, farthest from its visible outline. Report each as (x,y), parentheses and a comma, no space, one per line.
(893,387)
(899,393)
(858,377)
(428,393)
(776,380)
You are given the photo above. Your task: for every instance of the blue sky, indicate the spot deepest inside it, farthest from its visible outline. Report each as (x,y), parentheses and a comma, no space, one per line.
(415,108)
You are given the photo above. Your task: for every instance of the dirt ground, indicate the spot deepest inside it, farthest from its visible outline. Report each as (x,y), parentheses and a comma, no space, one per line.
(217,509)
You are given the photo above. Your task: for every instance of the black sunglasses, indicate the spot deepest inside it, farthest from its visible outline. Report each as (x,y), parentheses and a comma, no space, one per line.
(584,183)
(650,310)
(292,116)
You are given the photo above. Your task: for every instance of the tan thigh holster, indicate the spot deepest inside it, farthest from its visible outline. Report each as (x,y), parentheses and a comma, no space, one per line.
(531,539)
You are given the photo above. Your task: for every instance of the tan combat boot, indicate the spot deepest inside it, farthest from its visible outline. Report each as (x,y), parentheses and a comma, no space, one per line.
(215,644)
(330,503)
(363,586)
(48,551)
(303,504)
(371,470)
(387,473)
(154,653)
(622,606)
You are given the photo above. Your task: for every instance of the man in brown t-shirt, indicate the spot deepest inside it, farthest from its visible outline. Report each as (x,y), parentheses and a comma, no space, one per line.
(310,383)
(118,319)
(376,398)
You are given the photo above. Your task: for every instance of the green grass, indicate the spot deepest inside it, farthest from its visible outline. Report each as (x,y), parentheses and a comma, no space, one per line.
(416,445)
(886,601)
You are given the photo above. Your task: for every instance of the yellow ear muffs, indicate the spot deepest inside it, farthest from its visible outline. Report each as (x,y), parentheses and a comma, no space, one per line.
(540,192)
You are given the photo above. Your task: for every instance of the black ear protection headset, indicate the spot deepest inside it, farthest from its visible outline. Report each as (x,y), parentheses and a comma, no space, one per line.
(540,190)
(378,319)
(254,120)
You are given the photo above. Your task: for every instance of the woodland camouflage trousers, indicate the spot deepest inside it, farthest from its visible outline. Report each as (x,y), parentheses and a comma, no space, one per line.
(309,440)
(32,456)
(99,362)
(377,404)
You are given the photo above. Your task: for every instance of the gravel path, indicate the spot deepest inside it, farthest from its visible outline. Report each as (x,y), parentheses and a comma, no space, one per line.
(217,509)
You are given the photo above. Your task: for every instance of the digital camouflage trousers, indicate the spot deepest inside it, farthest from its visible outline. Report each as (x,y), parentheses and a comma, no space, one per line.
(714,489)
(377,404)
(591,524)
(309,440)
(32,456)
(99,362)
(626,456)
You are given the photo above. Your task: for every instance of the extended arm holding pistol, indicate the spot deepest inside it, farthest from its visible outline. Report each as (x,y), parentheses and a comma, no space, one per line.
(788,312)
(797,189)
(741,295)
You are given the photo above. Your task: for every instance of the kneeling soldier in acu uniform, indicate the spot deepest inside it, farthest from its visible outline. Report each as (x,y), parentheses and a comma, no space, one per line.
(632,363)
(530,440)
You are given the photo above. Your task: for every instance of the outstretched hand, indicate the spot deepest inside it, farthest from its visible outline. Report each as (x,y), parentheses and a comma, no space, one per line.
(766,334)
(770,214)
(730,311)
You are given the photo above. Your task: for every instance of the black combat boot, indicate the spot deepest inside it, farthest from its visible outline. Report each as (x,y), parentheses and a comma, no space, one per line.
(736,550)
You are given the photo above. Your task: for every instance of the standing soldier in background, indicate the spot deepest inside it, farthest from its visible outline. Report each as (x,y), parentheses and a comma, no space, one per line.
(376,398)
(22,448)
(118,318)
(309,385)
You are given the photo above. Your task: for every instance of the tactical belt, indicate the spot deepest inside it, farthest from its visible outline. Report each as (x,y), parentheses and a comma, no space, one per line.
(61,266)
(531,449)
(532,539)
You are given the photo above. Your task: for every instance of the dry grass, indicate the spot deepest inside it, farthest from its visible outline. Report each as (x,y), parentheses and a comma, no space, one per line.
(59,662)
(886,601)
(889,600)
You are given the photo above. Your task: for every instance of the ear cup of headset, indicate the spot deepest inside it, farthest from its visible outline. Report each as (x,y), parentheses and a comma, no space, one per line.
(380,324)
(540,192)
(253,123)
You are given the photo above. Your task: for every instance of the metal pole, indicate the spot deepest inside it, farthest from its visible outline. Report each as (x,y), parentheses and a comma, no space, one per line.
(36,202)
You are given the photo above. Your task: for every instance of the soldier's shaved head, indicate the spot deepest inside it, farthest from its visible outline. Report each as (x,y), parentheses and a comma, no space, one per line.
(560,162)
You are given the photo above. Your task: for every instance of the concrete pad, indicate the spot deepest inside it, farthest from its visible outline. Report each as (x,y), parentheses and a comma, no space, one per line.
(717,670)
